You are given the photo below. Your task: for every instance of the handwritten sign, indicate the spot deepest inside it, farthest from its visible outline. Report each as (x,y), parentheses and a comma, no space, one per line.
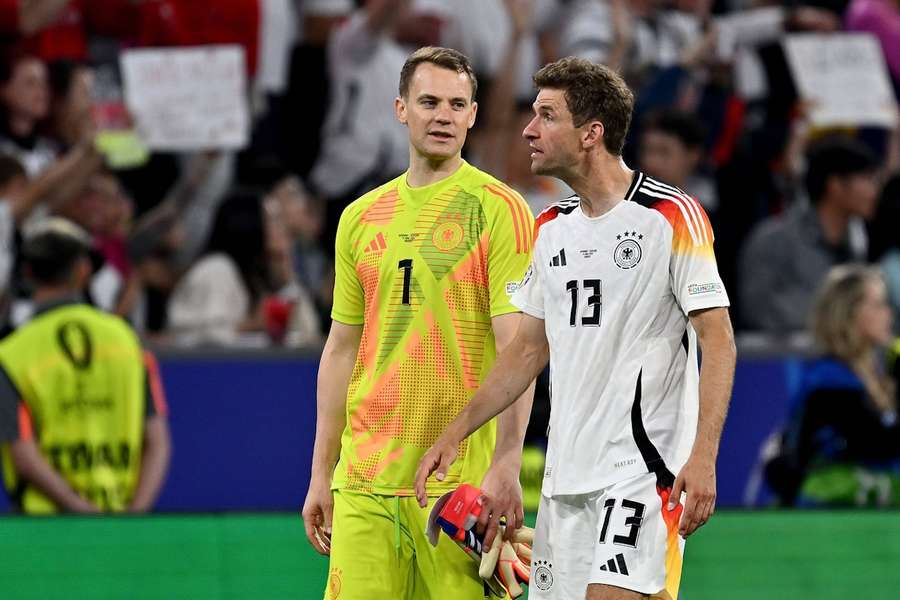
(188,98)
(843,78)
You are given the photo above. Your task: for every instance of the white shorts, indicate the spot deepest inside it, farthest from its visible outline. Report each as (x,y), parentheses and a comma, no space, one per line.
(621,535)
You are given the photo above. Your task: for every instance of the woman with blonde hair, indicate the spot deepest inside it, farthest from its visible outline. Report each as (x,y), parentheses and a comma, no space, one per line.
(842,444)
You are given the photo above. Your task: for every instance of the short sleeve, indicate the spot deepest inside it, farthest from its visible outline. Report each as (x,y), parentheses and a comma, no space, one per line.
(349,298)
(155,394)
(511,241)
(695,276)
(529,296)
(12,411)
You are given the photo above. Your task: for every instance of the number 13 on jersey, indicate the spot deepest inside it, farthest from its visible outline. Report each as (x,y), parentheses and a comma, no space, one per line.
(592,309)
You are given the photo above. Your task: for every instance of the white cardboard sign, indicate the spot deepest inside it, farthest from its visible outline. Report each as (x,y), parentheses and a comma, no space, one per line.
(188,98)
(843,77)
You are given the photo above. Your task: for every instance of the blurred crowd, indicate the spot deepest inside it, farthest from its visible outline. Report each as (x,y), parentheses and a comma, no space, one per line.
(234,248)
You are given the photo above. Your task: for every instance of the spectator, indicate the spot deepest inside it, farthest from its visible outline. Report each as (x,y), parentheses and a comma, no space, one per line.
(58,29)
(105,212)
(24,104)
(497,145)
(363,143)
(222,297)
(302,219)
(671,149)
(635,37)
(842,443)
(75,360)
(787,257)
(885,240)
(881,18)
(13,182)
(72,118)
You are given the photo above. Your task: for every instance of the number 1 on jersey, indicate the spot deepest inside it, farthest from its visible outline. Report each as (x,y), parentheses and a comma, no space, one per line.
(406,266)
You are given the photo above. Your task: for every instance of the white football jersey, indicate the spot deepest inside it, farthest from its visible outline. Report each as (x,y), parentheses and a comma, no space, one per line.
(615,292)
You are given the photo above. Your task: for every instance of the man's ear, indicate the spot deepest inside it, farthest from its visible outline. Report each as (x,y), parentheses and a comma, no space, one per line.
(592,135)
(473,114)
(400,109)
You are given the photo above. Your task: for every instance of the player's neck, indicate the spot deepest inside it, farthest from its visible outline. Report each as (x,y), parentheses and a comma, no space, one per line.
(601,184)
(50,294)
(425,171)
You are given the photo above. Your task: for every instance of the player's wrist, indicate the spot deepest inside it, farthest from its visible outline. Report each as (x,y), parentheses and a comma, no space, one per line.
(704,455)
(320,475)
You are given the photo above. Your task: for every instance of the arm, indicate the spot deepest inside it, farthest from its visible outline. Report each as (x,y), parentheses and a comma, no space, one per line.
(500,106)
(355,40)
(31,465)
(35,15)
(698,476)
(154,463)
(503,493)
(155,224)
(517,366)
(62,180)
(335,368)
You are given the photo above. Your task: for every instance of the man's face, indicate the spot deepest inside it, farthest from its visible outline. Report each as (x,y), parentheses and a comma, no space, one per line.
(664,156)
(859,193)
(438,111)
(554,140)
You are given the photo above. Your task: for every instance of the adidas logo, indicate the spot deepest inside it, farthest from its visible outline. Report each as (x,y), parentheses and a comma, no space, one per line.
(376,245)
(559,260)
(615,565)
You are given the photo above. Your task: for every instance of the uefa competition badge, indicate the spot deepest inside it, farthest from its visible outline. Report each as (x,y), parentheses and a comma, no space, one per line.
(628,251)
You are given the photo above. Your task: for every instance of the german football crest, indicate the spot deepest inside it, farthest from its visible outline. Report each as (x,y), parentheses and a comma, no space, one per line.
(543,576)
(447,236)
(628,252)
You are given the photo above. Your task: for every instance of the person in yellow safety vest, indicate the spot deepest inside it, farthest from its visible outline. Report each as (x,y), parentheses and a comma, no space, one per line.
(82,411)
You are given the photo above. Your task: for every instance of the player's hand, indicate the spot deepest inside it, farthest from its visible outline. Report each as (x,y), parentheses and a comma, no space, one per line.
(502,498)
(317,512)
(436,460)
(698,480)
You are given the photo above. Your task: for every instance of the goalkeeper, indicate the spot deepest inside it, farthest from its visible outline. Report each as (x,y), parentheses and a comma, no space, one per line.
(424,269)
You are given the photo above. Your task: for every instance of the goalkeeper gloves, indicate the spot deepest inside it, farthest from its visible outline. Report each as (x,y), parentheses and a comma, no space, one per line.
(505,566)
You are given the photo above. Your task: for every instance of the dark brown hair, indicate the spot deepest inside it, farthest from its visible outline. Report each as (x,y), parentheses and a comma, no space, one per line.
(446,58)
(593,92)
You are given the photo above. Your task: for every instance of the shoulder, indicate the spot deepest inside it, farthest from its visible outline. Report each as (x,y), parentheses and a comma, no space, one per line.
(829,373)
(554,211)
(376,199)
(681,211)
(213,265)
(771,231)
(492,191)
(498,197)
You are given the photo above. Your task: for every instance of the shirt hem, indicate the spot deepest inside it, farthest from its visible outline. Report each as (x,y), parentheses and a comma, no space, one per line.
(345,319)
(707,303)
(589,487)
(529,310)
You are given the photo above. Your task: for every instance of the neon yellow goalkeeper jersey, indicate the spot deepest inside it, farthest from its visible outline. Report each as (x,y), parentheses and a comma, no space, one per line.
(423,270)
